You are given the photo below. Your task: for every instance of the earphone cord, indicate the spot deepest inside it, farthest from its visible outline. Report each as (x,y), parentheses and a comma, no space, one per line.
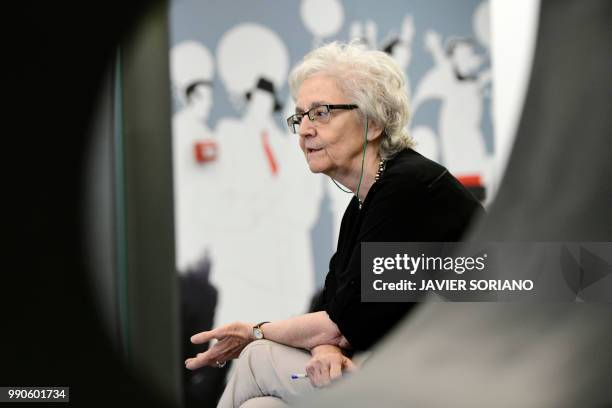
(365,143)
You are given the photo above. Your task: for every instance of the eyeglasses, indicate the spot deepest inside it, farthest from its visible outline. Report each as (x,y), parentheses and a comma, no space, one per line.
(321,114)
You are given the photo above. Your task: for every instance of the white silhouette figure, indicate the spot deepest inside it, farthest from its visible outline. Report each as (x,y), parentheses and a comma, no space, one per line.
(264,260)
(196,172)
(455,80)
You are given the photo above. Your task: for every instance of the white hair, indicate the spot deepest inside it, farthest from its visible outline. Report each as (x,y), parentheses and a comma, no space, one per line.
(371,79)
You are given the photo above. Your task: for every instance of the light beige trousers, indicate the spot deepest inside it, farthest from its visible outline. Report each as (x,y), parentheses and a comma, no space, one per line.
(262,377)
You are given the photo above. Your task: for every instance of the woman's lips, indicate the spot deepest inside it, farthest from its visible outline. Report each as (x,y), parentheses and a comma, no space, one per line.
(311,150)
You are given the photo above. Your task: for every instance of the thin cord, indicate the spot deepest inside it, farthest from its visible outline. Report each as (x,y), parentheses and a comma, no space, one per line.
(363,156)
(365,143)
(340,187)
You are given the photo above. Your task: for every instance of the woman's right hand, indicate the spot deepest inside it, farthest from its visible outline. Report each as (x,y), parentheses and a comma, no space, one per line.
(232,338)
(327,364)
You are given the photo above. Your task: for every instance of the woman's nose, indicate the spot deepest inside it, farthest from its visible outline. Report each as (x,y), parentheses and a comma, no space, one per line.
(306,126)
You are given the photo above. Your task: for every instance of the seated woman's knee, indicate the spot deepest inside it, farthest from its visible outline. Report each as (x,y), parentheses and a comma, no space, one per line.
(256,346)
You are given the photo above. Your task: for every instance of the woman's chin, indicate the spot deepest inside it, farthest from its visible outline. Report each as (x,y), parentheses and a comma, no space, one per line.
(316,166)
(315,169)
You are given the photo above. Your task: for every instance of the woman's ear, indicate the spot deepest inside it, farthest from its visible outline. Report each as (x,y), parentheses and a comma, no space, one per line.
(375,130)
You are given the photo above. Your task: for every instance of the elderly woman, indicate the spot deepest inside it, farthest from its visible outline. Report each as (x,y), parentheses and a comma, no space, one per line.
(351,117)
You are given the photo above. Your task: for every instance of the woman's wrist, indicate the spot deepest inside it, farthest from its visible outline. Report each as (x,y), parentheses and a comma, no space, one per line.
(325,348)
(257,331)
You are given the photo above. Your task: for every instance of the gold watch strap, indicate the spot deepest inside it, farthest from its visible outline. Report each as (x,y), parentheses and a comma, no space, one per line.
(258,325)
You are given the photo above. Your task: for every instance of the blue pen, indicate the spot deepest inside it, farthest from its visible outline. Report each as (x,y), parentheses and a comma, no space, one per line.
(298,376)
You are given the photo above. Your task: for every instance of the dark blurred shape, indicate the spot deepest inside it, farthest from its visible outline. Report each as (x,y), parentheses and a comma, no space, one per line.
(202,388)
(52,335)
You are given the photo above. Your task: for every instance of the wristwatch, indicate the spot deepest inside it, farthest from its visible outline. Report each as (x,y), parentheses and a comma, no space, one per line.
(257,331)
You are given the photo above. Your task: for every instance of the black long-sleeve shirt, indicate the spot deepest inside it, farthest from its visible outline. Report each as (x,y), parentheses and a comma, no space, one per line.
(415,200)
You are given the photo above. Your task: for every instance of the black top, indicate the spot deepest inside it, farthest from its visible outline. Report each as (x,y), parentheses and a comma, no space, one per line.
(415,200)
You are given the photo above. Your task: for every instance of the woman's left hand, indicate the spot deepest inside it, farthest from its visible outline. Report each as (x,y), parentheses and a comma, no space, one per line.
(232,338)
(327,364)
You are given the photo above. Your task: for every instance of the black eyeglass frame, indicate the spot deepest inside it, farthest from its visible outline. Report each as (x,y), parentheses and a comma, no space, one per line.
(293,119)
